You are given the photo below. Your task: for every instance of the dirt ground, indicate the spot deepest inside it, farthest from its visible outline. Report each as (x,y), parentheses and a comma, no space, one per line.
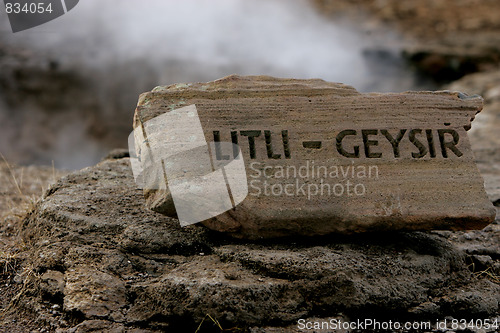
(443,39)
(424,19)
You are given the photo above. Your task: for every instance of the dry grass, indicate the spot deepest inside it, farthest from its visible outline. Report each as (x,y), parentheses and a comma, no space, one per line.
(22,193)
(217,324)
(21,188)
(8,261)
(486,273)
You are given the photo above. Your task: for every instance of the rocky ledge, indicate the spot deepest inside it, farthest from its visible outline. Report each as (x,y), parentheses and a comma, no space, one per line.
(97,259)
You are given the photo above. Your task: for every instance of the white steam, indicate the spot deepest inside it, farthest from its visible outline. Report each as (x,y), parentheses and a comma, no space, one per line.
(125,47)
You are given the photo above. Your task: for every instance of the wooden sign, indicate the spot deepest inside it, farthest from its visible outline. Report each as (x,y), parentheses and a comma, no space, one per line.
(323,158)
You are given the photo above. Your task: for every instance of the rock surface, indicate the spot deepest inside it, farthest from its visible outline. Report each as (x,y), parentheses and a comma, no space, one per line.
(414,182)
(99,260)
(484,137)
